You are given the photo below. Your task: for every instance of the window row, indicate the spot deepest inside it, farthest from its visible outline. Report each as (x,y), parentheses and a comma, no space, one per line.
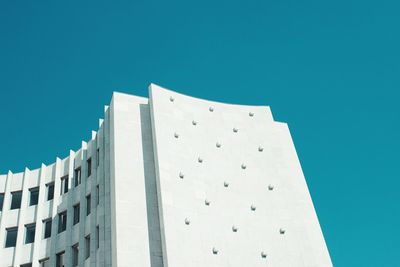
(16,196)
(12,232)
(60,257)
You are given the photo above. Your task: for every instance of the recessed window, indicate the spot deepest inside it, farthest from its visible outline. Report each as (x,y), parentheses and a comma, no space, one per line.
(235,130)
(207,202)
(270,187)
(62,221)
(75,255)
(263,254)
(64,185)
(226,184)
(30,233)
(16,200)
(89,166)
(77,211)
(215,251)
(234,228)
(11,238)
(218,144)
(181,175)
(253,207)
(47,228)
(34,196)
(98,157)
(211,109)
(200,160)
(260,149)
(50,191)
(77,176)
(243,166)
(282,231)
(194,122)
(97,195)
(1,201)
(176,135)
(171,99)
(97,237)
(44,262)
(251,114)
(87,246)
(88,204)
(187,221)
(60,259)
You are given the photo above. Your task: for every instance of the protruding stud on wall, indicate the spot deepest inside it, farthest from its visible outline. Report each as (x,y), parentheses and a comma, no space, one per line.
(253,207)
(282,231)
(211,109)
(215,251)
(226,184)
(218,144)
(181,175)
(172,99)
(263,254)
(270,187)
(235,130)
(251,114)
(200,160)
(176,135)
(234,228)
(243,166)
(187,221)
(260,149)
(194,122)
(207,202)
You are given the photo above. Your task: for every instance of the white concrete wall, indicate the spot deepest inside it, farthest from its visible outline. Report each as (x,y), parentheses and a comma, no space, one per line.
(287,207)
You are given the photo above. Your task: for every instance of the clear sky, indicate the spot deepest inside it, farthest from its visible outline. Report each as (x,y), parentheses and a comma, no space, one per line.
(331,69)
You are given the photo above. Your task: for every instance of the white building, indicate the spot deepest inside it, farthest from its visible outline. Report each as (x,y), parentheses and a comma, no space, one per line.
(170,181)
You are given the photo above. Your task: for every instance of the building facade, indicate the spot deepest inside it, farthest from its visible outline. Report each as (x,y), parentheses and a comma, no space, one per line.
(166,181)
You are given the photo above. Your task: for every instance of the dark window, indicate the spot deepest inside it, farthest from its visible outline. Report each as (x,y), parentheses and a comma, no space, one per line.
(62,222)
(98,157)
(44,262)
(75,255)
(97,195)
(64,184)
(88,204)
(77,176)
(1,201)
(89,167)
(16,200)
(34,196)
(26,265)
(30,233)
(47,228)
(76,213)
(50,191)
(97,237)
(87,246)
(60,261)
(11,239)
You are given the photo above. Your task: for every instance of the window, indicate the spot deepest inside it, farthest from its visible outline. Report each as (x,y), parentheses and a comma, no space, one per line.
(88,205)
(97,237)
(64,184)
(30,233)
(44,262)
(60,261)
(62,221)
(26,265)
(1,201)
(34,192)
(75,255)
(16,200)
(89,167)
(77,176)
(50,191)
(97,195)
(77,210)
(87,246)
(11,239)
(47,228)
(98,157)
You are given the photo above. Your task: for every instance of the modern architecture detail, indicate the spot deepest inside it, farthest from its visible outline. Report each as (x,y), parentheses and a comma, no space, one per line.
(166,181)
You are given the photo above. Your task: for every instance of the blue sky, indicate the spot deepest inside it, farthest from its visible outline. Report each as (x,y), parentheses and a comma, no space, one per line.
(331,69)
